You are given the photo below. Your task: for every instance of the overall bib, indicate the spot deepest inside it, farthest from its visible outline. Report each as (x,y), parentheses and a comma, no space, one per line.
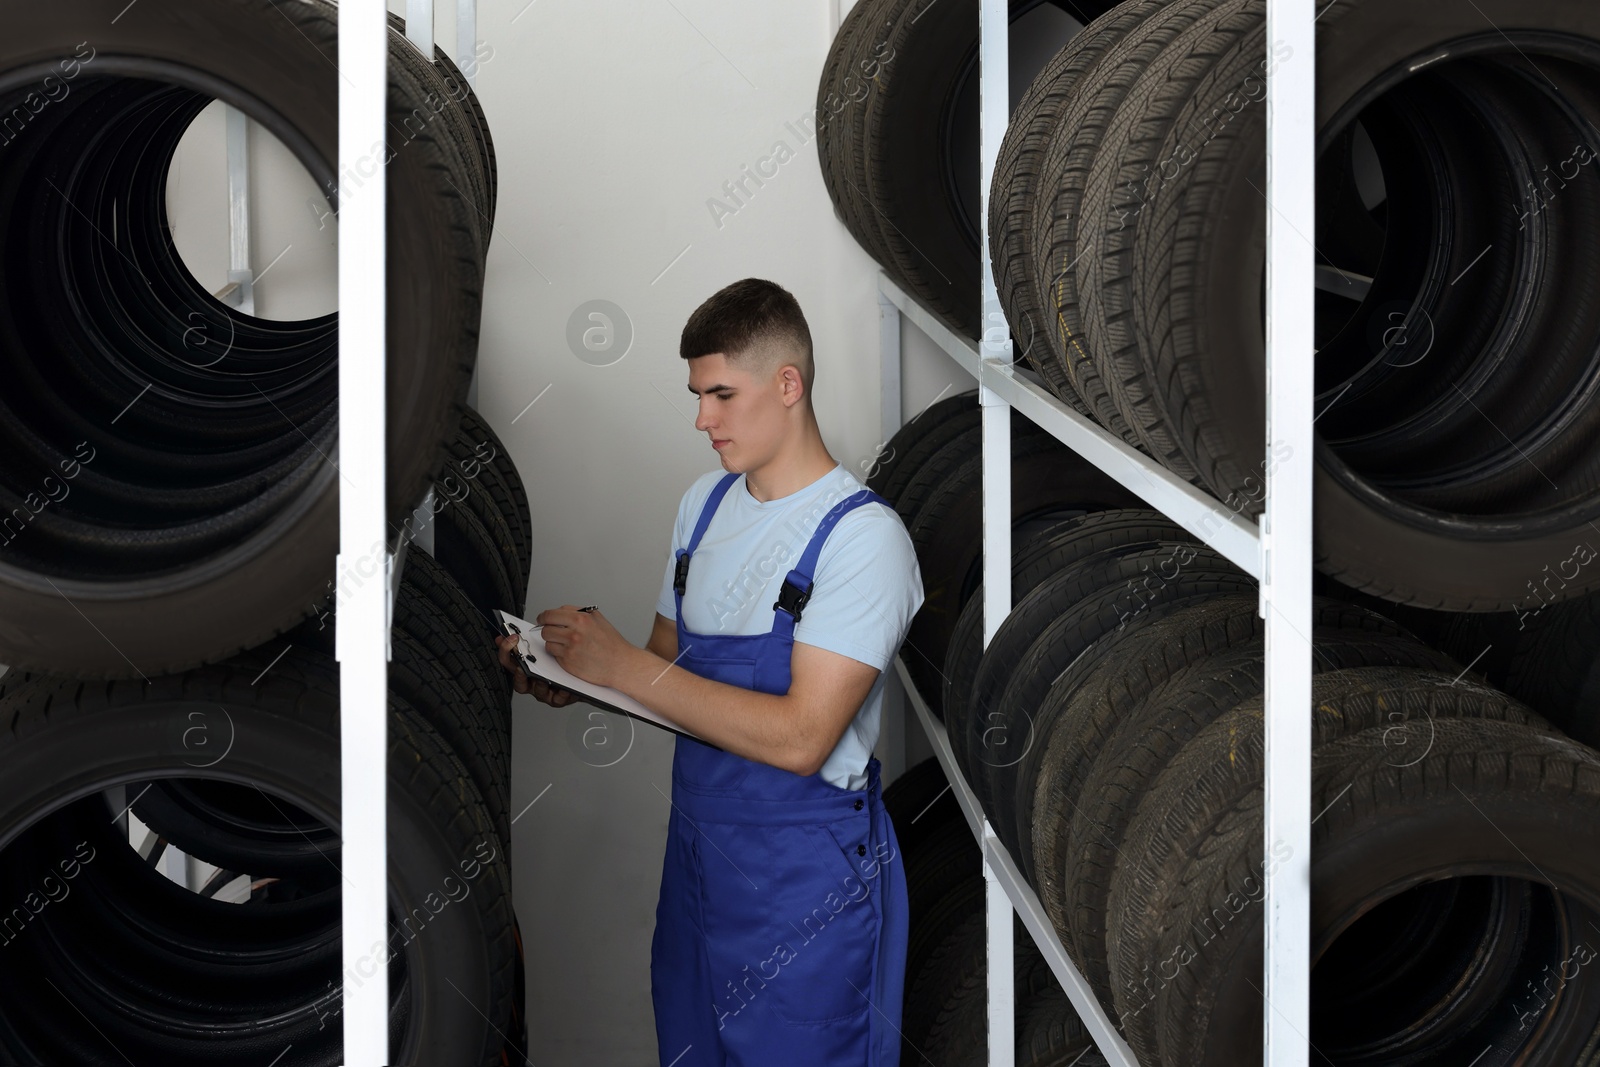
(780,936)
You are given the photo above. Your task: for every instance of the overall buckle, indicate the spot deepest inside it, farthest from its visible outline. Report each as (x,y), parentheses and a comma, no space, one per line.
(792,598)
(680,576)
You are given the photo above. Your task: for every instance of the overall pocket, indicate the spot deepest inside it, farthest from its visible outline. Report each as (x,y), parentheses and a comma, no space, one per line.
(781,927)
(705,769)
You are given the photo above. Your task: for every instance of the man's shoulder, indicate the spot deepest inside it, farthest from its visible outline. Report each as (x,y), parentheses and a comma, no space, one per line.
(702,485)
(699,492)
(874,522)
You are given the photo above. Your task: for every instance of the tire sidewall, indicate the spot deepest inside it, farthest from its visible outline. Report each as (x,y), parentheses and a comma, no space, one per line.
(1439,565)
(237,52)
(1403,847)
(59,761)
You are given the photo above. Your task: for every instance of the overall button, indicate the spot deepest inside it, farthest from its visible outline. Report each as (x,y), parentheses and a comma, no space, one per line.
(858,805)
(861,850)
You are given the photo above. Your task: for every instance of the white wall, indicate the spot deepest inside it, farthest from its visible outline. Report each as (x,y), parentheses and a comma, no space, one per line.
(294,246)
(615,123)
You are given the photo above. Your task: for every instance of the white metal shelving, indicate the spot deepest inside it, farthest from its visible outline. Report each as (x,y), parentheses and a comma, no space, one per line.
(1278,554)
(362,632)
(1005,889)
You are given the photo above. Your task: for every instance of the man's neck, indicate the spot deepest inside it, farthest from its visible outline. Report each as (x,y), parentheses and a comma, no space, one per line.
(790,474)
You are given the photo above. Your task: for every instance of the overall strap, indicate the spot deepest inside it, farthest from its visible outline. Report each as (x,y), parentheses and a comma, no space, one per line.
(680,577)
(796,587)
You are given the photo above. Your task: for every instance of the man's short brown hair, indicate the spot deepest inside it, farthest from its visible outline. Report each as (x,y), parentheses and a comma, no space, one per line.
(752,319)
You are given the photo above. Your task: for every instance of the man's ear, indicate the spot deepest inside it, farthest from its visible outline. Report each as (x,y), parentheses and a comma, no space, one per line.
(793,384)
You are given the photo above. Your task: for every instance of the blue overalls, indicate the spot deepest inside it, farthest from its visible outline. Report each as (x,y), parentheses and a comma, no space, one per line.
(780,935)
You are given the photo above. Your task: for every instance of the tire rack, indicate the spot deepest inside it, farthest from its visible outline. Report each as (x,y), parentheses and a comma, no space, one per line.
(363,58)
(239,292)
(1278,554)
(362,646)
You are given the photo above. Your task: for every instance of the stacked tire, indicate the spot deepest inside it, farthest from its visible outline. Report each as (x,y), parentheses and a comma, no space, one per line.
(1112,730)
(1458,360)
(945,1014)
(897,139)
(168,594)
(934,479)
(1457,357)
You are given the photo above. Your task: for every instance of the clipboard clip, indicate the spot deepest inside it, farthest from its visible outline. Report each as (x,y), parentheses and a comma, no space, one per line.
(526,658)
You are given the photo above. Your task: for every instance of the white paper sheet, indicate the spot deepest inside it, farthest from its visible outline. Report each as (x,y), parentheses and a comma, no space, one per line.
(537,660)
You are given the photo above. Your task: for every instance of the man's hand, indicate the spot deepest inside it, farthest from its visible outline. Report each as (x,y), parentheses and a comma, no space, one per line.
(585,644)
(542,690)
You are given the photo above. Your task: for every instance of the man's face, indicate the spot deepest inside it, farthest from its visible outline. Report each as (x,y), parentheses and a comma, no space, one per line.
(743,416)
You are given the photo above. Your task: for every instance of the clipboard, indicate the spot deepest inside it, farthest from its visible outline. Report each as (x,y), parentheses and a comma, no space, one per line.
(537,662)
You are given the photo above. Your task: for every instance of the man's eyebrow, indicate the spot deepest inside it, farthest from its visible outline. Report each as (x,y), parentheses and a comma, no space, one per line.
(710,389)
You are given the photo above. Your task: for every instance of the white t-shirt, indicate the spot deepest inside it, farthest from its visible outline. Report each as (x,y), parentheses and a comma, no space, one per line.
(865,588)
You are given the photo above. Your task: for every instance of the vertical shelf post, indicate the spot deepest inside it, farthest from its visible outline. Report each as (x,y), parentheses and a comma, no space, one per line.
(1001,953)
(895,722)
(994,347)
(1286,527)
(994,350)
(419,25)
(467,62)
(890,388)
(239,274)
(467,39)
(362,633)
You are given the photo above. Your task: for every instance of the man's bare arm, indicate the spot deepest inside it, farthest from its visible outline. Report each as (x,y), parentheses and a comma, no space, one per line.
(796,731)
(664,638)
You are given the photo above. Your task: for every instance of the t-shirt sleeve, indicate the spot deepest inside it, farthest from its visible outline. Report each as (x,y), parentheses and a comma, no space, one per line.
(866,589)
(666,603)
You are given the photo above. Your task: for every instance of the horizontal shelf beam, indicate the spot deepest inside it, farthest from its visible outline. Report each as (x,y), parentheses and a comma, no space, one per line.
(1019,892)
(1226,531)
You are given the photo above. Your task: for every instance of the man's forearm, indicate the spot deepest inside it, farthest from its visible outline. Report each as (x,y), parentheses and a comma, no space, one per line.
(758,726)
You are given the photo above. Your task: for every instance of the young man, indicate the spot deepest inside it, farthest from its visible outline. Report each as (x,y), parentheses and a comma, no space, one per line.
(781,925)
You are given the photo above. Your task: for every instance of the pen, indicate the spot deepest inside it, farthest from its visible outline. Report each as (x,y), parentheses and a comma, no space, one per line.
(591,607)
